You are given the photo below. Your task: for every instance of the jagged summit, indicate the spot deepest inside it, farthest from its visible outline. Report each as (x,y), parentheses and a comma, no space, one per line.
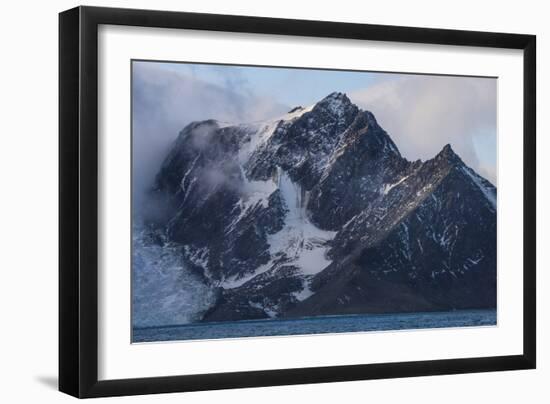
(317,212)
(337,104)
(449,155)
(336,98)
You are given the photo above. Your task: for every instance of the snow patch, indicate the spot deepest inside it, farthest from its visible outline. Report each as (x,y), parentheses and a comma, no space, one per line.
(253,193)
(234,282)
(262,131)
(299,243)
(197,256)
(304,293)
(488,192)
(256,191)
(475,261)
(335,104)
(388,187)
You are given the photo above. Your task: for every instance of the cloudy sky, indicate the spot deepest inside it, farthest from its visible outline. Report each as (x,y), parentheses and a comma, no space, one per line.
(422,113)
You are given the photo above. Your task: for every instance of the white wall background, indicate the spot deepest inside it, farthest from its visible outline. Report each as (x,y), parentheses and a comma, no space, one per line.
(28,206)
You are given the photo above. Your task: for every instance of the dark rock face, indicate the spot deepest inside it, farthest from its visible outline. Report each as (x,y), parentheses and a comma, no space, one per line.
(318,213)
(426,255)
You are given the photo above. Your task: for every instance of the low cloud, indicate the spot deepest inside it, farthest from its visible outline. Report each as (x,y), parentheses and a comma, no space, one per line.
(164,102)
(423,113)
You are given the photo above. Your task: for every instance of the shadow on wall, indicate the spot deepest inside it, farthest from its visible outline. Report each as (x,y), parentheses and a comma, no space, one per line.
(48,381)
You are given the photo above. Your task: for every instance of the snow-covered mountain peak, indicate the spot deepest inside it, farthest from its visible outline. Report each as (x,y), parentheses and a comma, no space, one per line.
(337,96)
(337,104)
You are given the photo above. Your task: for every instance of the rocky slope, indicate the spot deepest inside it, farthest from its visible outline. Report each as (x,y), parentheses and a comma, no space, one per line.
(318,213)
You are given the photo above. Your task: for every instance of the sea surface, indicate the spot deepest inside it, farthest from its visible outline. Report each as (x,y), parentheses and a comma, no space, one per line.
(316,325)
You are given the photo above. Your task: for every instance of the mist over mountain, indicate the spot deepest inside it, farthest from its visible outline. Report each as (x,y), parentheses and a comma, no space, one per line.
(313,213)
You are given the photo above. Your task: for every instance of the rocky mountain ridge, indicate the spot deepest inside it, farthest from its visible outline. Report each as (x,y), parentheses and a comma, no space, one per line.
(318,213)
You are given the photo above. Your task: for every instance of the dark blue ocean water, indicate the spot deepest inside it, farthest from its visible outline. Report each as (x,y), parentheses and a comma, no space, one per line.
(317,325)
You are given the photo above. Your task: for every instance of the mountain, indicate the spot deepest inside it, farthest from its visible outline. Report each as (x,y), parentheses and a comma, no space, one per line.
(318,213)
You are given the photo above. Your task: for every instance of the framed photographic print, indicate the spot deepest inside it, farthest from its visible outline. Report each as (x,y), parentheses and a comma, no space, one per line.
(251,201)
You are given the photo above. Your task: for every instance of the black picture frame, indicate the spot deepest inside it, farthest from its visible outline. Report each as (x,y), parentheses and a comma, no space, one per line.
(78,201)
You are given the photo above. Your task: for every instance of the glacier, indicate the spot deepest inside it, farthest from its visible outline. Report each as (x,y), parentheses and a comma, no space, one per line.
(164,290)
